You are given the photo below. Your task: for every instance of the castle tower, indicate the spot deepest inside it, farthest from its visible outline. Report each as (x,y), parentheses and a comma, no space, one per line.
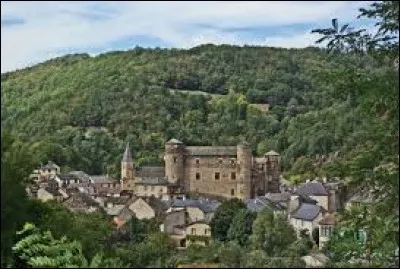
(127,168)
(245,158)
(273,170)
(174,158)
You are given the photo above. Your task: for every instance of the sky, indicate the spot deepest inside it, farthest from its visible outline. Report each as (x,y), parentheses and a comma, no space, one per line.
(33,32)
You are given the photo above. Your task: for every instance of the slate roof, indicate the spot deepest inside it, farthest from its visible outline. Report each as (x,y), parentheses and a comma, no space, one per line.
(259,203)
(206,206)
(156,204)
(127,154)
(278,197)
(312,189)
(80,200)
(115,210)
(306,212)
(80,175)
(211,151)
(122,200)
(153,181)
(103,179)
(150,171)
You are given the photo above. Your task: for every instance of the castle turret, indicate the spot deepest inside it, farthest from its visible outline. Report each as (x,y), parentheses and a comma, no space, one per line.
(174,158)
(244,158)
(127,168)
(273,170)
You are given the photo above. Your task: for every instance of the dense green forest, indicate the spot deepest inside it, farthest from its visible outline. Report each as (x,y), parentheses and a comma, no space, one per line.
(79,111)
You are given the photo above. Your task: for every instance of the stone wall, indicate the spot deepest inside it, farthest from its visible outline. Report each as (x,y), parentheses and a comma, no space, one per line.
(200,175)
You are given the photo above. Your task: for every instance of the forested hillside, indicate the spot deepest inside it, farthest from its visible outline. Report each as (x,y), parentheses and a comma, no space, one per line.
(80,111)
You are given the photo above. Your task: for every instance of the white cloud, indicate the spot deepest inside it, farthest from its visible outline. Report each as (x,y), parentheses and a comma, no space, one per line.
(51,26)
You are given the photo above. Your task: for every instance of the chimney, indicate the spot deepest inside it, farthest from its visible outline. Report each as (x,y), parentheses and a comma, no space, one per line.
(307,181)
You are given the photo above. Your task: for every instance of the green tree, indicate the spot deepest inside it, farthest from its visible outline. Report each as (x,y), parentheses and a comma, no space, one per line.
(223,218)
(271,233)
(16,164)
(241,227)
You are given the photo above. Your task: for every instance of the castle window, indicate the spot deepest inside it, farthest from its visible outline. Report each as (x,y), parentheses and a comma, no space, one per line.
(220,160)
(197,161)
(233,175)
(232,161)
(174,159)
(197,176)
(232,192)
(217,176)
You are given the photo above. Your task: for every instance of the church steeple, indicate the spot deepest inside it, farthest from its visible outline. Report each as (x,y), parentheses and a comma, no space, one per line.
(127,158)
(127,168)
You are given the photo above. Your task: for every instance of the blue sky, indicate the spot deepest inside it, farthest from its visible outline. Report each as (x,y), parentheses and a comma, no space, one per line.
(32,32)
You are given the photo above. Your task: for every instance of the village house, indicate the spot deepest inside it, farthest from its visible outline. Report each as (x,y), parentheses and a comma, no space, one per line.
(316,191)
(81,202)
(326,226)
(140,208)
(281,198)
(196,210)
(306,217)
(198,233)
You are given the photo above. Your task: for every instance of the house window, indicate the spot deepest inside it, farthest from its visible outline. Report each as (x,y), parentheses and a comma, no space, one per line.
(193,231)
(197,176)
(233,175)
(207,231)
(232,192)
(197,161)
(217,176)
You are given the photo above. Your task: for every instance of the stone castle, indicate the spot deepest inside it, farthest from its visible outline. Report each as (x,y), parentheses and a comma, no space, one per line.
(228,171)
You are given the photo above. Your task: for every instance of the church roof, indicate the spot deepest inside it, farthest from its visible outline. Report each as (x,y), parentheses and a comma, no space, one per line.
(211,151)
(150,171)
(127,155)
(174,141)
